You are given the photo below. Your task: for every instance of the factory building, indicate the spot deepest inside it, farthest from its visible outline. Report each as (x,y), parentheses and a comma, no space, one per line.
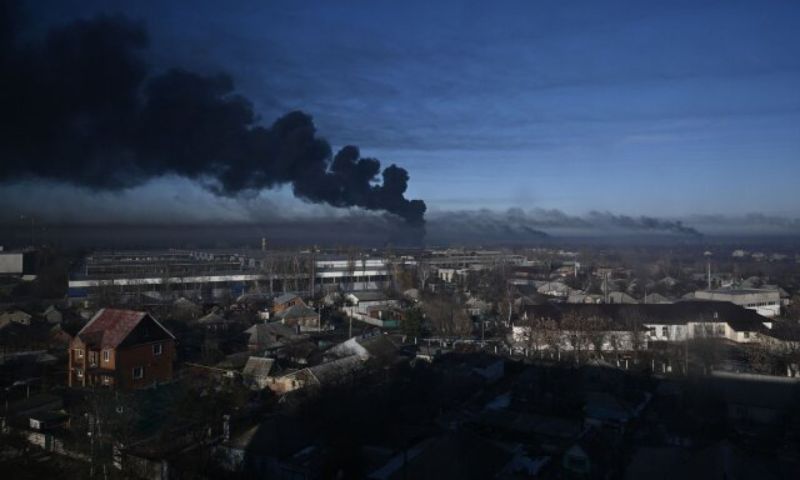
(214,275)
(766,303)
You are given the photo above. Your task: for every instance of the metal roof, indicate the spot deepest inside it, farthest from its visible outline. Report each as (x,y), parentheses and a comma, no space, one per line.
(110,327)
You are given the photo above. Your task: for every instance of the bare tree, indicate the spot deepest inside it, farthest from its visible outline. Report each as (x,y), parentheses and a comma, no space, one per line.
(447,316)
(704,346)
(633,323)
(268,267)
(575,327)
(423,273)
(553,338)
(538,333)
(596,331)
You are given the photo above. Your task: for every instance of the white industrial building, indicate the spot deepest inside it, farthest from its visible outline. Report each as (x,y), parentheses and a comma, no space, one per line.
(765,302)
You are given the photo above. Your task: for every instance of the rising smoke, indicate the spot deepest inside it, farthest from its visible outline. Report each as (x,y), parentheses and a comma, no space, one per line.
(81,107)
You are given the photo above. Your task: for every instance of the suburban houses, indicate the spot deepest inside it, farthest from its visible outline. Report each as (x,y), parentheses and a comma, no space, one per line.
(545,381)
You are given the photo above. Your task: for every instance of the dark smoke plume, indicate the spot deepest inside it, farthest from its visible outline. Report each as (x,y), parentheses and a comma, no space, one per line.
(641,223)
(81,107)
(518,223)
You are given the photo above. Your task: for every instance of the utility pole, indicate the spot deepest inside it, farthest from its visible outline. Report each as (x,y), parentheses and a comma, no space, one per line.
(313,275)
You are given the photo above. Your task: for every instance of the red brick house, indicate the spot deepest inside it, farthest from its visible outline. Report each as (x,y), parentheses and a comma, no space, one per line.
(122,349)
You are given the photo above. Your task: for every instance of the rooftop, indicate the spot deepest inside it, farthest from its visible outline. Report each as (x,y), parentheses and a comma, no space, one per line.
(679,313)
(110,327)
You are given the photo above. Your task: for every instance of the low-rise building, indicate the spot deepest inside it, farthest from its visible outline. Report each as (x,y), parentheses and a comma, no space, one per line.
(763,301)
(286,301)
(123,349)
(626,326)
(300,316)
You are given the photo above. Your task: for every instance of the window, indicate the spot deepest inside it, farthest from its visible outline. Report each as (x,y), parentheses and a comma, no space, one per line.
(138,373)
(106,356)
(157,349)
(79,352)
(106,380)
(665,331)
(746,334)
(79,372)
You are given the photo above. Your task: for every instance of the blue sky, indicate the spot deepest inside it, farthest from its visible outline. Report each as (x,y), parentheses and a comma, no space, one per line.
(656,108)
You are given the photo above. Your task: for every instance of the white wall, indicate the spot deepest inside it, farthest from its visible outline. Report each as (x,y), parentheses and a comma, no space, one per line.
(10,263)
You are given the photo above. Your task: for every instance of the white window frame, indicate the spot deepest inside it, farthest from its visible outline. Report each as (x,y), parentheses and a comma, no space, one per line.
(106,356)
(158,349)
(141,373)
(79,352)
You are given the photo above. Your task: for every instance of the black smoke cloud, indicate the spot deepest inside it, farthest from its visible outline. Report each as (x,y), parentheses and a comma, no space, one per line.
(518,224)
(642,223)
(81,107)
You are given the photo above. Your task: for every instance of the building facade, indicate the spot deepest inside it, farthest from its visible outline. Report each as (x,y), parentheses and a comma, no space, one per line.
(766,303)
(122,349)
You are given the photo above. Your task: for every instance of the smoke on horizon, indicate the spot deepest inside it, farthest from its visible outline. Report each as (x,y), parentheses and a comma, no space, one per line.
(81,107)
(519,223)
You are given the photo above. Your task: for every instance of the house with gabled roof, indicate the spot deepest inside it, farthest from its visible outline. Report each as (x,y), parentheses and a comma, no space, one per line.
(123,349)
(301,317)
(285,301)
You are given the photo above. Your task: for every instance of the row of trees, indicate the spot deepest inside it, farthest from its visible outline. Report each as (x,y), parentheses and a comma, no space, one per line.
(581,335)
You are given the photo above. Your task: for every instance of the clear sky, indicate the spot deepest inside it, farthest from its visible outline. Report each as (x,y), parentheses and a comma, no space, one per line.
(641,107)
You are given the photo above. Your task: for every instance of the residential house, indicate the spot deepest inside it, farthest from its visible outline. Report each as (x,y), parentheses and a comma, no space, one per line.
(554,289)
(122,349)
(619,297)
(656,298)
(328,373)
(263,336)
(378,348)
(286,301)
(53,315)
(214,322)
(365,299)
(374,308)
(15,316)
(300,316)
(383,316)
(257,371)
